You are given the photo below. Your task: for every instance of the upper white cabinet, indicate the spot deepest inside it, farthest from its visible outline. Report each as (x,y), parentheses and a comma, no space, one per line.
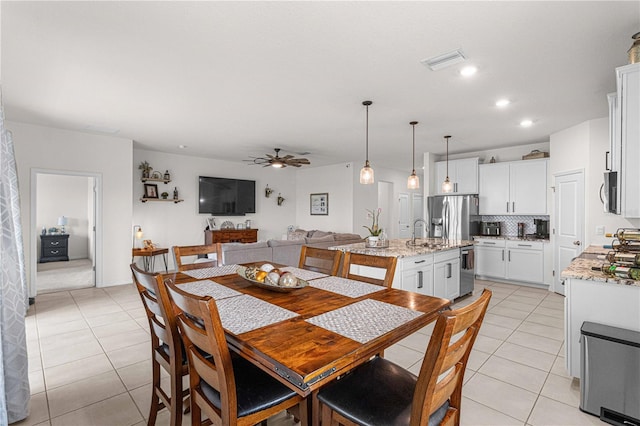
(628,131)
(463,174)
(517,187)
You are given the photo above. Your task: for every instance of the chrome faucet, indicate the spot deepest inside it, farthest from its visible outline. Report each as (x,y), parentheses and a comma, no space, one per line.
(413,235)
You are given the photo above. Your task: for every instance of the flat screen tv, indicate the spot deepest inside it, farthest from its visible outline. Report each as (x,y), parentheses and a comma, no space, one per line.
(226,197)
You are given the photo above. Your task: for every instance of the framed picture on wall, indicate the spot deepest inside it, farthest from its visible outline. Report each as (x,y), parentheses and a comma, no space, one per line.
(150,190)
(319,203)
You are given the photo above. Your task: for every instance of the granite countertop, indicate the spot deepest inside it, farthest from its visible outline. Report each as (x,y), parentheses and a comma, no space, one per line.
(511,238)
(593,256)
(398,247)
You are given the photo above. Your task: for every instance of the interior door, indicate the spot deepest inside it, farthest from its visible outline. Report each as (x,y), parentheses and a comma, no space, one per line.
(569,222)
(404,221)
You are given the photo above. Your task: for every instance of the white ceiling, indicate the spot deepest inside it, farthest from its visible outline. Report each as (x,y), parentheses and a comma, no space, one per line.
(233,79)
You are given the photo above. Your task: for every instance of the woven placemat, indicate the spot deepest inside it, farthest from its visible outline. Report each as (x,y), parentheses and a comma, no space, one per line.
(365,320)
(245,313)
(215,271)
(303,273)
(209,288)
(345,286)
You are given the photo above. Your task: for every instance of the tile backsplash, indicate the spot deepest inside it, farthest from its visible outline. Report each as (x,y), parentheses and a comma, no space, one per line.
(509,226)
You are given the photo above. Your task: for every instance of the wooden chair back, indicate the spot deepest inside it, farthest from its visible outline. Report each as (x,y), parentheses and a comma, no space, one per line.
(184,251)
(387,263)
(166,345)
(450,356)
(320,260)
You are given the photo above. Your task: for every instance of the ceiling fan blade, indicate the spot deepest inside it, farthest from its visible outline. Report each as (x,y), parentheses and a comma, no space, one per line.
(287,157)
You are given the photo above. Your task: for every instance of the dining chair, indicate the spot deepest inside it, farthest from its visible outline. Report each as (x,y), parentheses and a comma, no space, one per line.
(386,263)
(320,260)
(394,396)
(166,346)
(226,388)
(185,251)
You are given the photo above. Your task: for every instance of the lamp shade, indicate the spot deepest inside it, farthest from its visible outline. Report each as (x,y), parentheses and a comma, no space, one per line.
(63,220)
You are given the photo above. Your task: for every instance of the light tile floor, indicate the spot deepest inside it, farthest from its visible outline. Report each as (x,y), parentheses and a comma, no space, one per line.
(89,360)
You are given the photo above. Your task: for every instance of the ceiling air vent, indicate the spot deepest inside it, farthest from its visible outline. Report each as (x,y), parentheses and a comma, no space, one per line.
(445,60)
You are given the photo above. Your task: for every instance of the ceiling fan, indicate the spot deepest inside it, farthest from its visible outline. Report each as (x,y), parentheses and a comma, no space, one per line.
(279,162)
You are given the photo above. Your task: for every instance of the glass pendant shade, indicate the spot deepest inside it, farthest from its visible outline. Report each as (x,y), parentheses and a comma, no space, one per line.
(446,185)
(413,182)
(366,174)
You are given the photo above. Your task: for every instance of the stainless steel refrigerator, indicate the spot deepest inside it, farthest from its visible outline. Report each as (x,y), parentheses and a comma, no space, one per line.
(453,217)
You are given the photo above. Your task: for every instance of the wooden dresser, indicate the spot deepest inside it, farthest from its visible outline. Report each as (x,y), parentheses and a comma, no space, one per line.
(231,236)
(54,248)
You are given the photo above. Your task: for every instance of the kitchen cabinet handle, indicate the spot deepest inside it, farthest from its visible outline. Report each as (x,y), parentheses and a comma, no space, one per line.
(489,242)
(419,279)
(507,207)
(503,255)
(509,255)
(606,160)
(525,245)
(420,261)
(513,207)
(448,270)
(54,243)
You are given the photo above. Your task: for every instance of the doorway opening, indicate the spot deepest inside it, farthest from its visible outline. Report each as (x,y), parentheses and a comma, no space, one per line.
(64,222)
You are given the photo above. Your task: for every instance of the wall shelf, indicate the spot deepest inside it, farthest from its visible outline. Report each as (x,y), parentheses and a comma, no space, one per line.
(144,200)
(155,180)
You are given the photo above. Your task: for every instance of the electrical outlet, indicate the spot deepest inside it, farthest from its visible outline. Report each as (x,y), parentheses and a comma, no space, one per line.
(600,230)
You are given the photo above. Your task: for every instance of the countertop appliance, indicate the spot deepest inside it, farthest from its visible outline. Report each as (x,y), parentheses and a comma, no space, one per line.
(467,270)
(490,228)
(542,228)
(453,217)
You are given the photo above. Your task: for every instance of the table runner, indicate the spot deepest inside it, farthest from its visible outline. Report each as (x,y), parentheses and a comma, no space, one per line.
(209,288)
(245,313)
(345,286)
(303,273)
(215,271)
(365,320)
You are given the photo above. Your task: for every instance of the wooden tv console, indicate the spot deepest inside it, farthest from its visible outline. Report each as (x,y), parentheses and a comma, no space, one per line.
(231,236)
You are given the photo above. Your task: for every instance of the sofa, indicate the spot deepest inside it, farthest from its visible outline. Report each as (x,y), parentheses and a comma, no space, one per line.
(286,252)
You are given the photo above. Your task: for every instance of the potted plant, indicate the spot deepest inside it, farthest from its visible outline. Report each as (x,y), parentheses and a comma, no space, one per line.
(164,195)
(146,169)
(374,229)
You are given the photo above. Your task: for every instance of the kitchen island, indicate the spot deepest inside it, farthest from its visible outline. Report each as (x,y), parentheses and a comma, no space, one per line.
(431,266)
(591,295)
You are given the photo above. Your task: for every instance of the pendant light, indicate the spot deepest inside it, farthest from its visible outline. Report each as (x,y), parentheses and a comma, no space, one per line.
(366,174)
(446,185)
(414,181)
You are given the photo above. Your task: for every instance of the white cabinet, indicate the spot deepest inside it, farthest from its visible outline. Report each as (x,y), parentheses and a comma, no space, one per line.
(516,260)
(490,258)
(628,130)
(417,274)
(463,175)
(518,187)
(446,274)
(525,261)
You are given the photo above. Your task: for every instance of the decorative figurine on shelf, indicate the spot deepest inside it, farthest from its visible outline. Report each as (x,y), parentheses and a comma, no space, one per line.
(280,199)
(167,176)
(146,169)
(175,193)
(149,245)
(164,195)
(268,191)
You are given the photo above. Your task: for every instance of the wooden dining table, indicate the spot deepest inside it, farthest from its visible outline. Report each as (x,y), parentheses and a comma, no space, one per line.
(307,337)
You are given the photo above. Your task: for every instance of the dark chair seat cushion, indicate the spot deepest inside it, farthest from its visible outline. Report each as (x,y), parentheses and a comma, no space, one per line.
(377,393)
(255,389)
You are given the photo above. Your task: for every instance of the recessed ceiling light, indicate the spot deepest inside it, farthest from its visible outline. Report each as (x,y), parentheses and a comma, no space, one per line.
(501,103)
(468,71)
(182,146)
(526,123)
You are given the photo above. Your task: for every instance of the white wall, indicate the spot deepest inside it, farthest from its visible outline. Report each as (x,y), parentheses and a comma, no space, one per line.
(334,180)
(60,195)
(39,147)
(583,147)
(168,224)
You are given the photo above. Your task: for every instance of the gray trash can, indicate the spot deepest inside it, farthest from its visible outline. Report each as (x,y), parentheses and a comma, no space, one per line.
(610,371)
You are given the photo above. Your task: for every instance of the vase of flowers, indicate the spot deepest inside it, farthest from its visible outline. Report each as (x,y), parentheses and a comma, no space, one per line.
(374,229)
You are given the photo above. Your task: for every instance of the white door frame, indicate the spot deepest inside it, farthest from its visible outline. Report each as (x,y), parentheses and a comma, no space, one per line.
(33,268)
(556,283)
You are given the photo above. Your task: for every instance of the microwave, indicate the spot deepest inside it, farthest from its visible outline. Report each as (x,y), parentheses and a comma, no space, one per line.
(610,196)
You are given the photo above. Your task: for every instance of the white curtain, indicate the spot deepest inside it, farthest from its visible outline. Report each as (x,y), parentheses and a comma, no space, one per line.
(14,298)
